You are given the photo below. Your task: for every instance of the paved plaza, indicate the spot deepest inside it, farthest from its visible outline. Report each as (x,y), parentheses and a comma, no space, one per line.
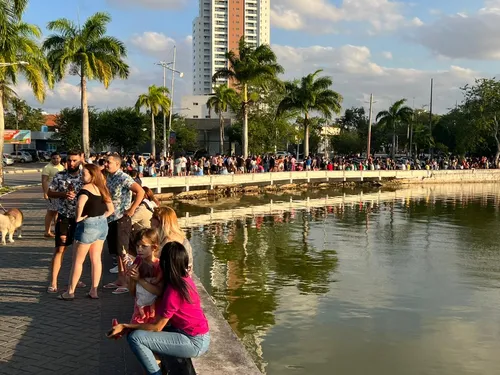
(40,334)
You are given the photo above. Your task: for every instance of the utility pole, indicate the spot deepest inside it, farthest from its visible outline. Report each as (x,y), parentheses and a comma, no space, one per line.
(167,146)
(164,151)
(430,118)
(411,129)
(368,147)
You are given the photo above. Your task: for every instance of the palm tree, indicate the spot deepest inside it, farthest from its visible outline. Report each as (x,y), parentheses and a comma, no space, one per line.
(88,53)
(222,99)
(154,100)
(396,114)
(20,53)
(249,66)
(310,94)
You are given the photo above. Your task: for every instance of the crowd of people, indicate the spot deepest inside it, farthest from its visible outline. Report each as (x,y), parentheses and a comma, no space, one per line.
(181,165)
(93,203)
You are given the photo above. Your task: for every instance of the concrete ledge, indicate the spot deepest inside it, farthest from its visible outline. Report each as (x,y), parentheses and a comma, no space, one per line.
(19,171)
(226,355)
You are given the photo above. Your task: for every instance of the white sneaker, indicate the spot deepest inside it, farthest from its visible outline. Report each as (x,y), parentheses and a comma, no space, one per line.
(114,270)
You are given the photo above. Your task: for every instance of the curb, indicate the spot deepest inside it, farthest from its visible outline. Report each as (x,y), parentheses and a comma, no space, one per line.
(19,187)
(17,171)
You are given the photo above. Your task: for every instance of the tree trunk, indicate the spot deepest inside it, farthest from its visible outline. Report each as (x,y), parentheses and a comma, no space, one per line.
(244,146)
(497,140)
(2,132)
(153,136)
(85,116)
(306,136)
(221,133)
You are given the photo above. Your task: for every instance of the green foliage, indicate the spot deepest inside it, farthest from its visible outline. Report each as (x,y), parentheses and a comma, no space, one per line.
(186,136)
(311,93)
(155,100)
(21,116)
(398,114)
(69,123)
(121,128)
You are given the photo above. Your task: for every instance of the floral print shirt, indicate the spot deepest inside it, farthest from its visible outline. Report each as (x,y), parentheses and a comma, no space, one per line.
(119,185)
(60,184)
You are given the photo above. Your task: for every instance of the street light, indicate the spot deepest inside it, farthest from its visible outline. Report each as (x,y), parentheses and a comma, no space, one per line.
(166,65)
(14,63)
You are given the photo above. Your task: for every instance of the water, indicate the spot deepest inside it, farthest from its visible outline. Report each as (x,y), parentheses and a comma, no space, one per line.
(402,282)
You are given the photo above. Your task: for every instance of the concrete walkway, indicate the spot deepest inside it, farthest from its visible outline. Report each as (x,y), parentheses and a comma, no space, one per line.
(40,334)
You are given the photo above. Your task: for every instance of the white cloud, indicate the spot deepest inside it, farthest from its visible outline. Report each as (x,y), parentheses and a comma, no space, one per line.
(381,15)
(462,35)
(152,43)
(387,55)
(152,4)
(355,76)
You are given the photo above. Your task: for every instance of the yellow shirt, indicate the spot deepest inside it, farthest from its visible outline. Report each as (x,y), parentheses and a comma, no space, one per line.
(51,170)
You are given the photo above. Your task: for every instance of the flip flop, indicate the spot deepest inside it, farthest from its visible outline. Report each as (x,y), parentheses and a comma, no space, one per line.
(51,235)
(111,286)
(89,296)
(51,290)
(80,285)
(120,290)
(62,298)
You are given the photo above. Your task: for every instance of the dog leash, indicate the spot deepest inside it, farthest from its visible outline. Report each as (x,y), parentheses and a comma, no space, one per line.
(4,210)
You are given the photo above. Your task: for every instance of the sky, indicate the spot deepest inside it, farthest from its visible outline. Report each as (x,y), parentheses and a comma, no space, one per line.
(387,48)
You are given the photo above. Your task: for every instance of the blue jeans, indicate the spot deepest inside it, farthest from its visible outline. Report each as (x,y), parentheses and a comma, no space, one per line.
(174,343)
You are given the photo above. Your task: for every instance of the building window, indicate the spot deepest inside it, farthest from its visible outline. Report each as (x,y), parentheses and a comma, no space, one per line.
(195,103)
(195,116)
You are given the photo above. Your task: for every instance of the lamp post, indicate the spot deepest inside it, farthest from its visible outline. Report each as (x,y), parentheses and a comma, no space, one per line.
(166,65)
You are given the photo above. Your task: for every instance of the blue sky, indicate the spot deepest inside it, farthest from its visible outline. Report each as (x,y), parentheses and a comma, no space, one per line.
(390,48)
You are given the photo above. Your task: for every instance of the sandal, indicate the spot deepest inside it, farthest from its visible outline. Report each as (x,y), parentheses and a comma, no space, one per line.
(120,290)
(63,298)
(111,286)
(89,296)
(51,290)
(80,285)
(49,235)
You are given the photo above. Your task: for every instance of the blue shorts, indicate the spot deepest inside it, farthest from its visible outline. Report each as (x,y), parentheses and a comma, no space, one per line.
(91,229)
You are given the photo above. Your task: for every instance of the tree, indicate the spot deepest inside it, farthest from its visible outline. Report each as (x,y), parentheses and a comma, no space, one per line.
(154,101)
(88,53)
(390,119)
(482,103)
(20,53)
(221,100)
(22,116)
(311,94)
(249,66)
(186,136)
(125,122)
(68,123)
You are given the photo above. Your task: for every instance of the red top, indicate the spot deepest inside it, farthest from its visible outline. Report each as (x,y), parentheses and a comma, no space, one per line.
(188,317)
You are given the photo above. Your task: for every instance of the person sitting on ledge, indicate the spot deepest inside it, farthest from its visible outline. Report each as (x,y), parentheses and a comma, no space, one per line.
(187,333)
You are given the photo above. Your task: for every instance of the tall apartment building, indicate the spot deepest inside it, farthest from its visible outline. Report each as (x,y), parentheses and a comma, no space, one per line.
(218,29)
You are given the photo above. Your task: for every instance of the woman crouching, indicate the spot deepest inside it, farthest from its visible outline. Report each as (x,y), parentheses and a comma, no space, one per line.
(187,334)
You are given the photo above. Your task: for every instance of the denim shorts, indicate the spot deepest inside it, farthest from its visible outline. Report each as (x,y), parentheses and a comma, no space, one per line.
(91,229)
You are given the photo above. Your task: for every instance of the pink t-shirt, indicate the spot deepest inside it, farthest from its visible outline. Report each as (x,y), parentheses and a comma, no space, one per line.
(183,315)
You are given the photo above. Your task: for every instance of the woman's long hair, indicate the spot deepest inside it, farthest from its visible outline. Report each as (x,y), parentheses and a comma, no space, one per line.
(97,178)
(174,262)
(169,229)
(150,195)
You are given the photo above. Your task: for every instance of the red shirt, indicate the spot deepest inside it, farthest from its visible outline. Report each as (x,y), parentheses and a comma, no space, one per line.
(188,317)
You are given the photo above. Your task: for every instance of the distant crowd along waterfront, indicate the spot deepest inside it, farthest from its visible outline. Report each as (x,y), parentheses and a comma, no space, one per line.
(181,165)
(90,204)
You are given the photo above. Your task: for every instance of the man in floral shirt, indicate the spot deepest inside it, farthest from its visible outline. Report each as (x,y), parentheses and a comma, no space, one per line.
(122,188)
(63,189)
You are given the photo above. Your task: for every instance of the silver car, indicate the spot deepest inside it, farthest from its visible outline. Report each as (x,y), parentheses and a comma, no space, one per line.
(21,157)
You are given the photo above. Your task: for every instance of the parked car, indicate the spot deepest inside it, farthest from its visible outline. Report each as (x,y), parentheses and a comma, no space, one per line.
(7,160)
(21,157)
(32,152)
(44,155)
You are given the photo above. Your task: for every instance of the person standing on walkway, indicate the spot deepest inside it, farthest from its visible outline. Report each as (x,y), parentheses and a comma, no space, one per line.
(122,189)
(48,174)
(64,187)
(93,207)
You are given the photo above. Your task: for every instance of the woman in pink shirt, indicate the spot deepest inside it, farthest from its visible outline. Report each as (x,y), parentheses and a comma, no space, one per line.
(187,334)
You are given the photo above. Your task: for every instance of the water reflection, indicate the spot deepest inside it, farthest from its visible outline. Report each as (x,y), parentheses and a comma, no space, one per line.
(386,282)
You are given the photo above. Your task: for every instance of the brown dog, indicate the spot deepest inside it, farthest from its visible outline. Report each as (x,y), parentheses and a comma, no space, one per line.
(11,221)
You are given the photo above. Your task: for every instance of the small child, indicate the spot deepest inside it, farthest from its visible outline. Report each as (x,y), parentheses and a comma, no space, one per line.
(146,279)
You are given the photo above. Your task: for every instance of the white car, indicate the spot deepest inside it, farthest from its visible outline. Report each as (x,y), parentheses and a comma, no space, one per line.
(146,155)
(7,160)
(22,157)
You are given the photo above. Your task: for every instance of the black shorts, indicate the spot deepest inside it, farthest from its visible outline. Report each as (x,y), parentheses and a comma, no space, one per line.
(65,227)
(119,232)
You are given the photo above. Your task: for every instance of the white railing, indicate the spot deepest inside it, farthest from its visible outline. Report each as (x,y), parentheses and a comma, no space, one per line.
(158,183)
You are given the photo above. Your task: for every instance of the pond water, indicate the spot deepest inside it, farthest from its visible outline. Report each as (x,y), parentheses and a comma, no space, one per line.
(397,282)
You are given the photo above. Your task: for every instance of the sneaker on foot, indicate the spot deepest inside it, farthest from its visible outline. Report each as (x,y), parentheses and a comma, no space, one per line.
(114,269)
